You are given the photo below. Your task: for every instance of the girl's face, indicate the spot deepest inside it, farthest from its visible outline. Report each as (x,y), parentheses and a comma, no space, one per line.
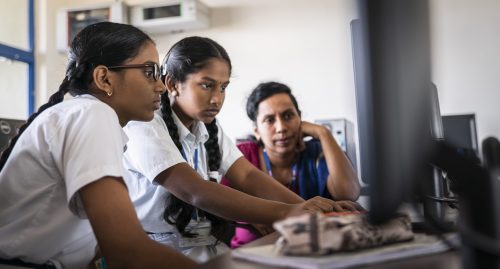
(201,96)
(136,94)
(278,124)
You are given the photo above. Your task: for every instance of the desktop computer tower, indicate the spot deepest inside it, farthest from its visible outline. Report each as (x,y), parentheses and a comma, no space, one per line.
(343,132)
(8,129)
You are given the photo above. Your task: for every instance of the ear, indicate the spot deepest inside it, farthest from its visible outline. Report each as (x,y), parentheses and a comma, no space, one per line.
(256,132)
(172,85)
(101,79)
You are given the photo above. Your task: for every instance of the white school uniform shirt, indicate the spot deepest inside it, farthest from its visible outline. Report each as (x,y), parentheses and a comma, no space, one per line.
(151,151)
(66,147)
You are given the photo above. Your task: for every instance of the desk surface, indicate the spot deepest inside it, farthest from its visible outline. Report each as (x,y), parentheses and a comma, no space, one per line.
(448,260)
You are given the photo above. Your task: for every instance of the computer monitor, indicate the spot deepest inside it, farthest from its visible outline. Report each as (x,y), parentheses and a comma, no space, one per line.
(8,129)
(391,52)
(460,132)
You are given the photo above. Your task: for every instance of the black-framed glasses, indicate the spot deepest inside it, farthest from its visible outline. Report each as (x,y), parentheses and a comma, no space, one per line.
(154,72)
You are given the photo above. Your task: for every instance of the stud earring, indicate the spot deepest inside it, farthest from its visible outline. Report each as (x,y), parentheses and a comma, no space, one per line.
(109,93)
(174,93)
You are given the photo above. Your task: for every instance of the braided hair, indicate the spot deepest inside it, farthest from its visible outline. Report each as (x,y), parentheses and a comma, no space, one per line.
(103,43)
(188,56)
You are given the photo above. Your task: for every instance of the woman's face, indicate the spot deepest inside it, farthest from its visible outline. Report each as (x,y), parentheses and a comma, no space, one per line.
(201,96)
(136,94)
(278,124)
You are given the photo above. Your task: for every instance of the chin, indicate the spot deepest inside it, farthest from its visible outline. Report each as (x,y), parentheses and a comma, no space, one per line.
(148,117)
(207,120)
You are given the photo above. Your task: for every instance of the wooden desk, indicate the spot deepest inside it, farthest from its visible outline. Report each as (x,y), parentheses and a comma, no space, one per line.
(448,260)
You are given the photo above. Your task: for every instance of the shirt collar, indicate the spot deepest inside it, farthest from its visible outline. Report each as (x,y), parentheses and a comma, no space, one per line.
(199,134)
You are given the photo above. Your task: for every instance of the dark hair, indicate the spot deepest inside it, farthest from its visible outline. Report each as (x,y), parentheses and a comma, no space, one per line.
(264,91)
(103,43)
(188,56)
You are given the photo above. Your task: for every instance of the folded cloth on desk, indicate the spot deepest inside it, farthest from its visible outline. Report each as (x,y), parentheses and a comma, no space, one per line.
(317,234)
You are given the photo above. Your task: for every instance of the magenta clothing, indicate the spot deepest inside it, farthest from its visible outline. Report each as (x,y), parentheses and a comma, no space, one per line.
(312,176)
(243,236)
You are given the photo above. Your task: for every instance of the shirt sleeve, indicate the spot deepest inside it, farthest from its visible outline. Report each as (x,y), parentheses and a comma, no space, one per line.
(91,147)
(150,149)
(230,153)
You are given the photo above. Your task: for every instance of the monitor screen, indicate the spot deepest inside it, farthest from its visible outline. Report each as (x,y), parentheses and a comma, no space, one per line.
(391,52)
(460,132)
(8,129)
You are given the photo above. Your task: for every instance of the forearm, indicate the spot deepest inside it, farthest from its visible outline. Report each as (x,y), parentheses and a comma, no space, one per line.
(236,205)
(247,178)
(342,181)
(187,185)
(123,242)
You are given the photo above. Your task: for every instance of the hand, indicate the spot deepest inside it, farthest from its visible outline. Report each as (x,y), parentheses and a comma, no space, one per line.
(349,206)
(317,204)
(323,205)
(311,129)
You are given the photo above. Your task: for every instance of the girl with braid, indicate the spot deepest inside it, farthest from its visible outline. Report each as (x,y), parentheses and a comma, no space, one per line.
(177,161)
(61,177)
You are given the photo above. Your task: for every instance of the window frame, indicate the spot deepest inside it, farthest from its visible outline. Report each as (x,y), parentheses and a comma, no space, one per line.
(25,56)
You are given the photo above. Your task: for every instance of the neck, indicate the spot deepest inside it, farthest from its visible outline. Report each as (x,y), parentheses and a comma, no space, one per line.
(185,119)
(105,99)
(281,160)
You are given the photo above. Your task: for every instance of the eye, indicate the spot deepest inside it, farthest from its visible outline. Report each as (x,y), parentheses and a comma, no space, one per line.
(148,73)
(268,120)
(206,86)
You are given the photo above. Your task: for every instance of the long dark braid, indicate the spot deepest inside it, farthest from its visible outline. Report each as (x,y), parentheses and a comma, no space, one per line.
(219,225)
(186,57)
(176,207)
(103,43)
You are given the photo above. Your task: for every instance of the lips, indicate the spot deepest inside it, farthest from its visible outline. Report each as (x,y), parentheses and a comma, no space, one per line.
(283,141)
(211,112)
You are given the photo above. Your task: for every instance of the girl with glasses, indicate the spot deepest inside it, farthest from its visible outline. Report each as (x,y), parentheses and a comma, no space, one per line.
(177,160)
(61,178)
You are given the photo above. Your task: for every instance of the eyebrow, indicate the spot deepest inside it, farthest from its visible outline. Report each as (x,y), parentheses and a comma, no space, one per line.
(288,110)
(213,80)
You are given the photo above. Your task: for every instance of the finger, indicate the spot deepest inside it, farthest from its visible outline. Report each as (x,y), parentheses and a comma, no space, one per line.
(348,205)
(330,204)
(314,208)
(357,206)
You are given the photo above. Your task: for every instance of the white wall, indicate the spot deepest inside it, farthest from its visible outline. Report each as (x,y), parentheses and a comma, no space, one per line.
(306,44)
(466,60)
(303,43)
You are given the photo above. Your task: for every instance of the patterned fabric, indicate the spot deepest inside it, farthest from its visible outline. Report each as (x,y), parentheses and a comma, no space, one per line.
(317,234)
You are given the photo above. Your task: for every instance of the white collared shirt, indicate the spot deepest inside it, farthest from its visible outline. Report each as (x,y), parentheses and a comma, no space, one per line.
(151,151)
(66,147)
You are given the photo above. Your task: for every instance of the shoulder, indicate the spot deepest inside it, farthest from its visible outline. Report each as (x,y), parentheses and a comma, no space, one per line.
(85,111)
(156,126)
(248,146)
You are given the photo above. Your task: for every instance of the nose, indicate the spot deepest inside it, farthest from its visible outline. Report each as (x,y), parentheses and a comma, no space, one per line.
(217,97)
(160,87)
(280,125)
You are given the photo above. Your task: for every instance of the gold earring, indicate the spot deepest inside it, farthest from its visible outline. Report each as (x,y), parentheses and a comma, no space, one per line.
(109,93)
